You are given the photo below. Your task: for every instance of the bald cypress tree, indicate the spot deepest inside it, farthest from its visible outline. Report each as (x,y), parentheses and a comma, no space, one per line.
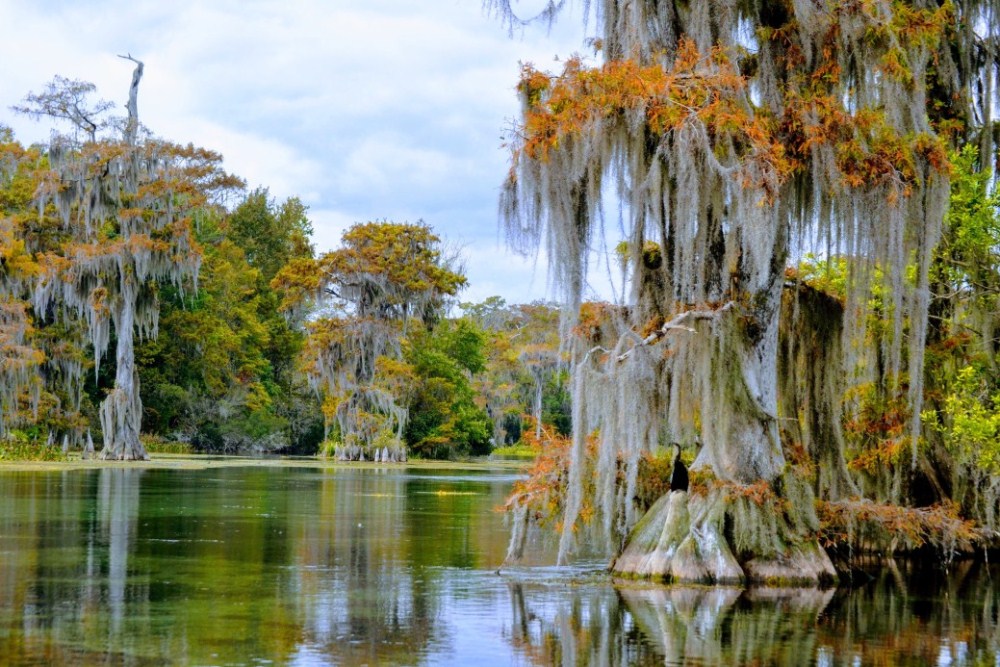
(125,201)
(383,278)
(734,137)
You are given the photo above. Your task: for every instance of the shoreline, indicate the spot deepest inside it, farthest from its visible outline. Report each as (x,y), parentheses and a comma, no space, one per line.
(203,461)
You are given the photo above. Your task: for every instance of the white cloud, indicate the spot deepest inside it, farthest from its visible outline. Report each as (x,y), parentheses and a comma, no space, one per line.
(366,109)
(493,272)
(380,163)
(328,226)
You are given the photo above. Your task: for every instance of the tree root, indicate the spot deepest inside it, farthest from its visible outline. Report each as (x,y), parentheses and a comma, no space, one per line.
(728,536)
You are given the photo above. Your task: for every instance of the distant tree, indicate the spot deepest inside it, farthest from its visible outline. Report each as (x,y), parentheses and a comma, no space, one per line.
(270,235)
(20,359)
(223,374)
(43,353)
(524,368)
(384,276)
(444,419)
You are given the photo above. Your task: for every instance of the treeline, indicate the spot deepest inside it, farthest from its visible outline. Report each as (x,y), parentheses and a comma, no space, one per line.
(142,288)
(398,372)
(223,373)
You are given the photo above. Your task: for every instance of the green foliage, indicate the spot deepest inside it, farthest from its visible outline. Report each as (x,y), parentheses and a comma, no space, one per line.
(155,444)
(18,446)
(970,422)
(445,421)
(970,249)
(557,408)
(462,341)
(270,235)
(519,451)
(208,364)
(826,275)
(222,372)
(964,354)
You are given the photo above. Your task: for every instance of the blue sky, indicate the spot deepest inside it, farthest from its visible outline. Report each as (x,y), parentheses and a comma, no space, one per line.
(366,109)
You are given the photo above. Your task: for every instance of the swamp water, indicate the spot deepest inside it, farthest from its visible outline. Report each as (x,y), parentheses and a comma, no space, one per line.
(312,566)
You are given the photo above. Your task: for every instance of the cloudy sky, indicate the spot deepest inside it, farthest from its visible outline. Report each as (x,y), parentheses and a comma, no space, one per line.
(365,109)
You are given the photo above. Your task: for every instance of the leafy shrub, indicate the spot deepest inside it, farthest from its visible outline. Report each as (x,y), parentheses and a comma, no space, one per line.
(18,447)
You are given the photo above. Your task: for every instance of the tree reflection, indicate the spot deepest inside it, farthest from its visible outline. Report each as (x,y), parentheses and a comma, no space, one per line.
(117,511)
(361,601)
(910,617)
(375,565)
(69,594)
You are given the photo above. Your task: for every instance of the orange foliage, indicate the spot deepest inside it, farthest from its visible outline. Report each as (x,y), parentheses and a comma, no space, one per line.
(544,490)
(709,90)
(879,429)
(760,493)
(298,282)
(865,525)
(592,319)
(703,88)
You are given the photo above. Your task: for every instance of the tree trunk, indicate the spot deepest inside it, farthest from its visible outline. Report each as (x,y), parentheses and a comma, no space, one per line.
(755,520)
(739,420)
(121,411)
(813,384)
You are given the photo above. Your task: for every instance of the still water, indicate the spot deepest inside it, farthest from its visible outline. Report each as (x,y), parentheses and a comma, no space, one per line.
(348,566)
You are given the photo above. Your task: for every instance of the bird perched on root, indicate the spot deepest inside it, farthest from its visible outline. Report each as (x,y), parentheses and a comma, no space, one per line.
(679,476)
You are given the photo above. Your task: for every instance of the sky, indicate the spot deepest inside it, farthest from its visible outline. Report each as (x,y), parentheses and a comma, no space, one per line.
(364,109)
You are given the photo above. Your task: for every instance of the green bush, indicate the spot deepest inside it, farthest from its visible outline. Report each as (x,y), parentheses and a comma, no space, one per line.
(156,444)
(515,451)
(18,447)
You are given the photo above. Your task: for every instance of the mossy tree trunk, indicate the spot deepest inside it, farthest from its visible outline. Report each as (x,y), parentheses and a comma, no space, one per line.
(125,203)
(755,520)
(121,410)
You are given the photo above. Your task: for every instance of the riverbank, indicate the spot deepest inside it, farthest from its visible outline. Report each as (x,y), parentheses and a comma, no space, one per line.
(202,461)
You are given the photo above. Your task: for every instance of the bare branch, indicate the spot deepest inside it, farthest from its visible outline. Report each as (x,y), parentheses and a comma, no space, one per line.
(679,324)
(67,99)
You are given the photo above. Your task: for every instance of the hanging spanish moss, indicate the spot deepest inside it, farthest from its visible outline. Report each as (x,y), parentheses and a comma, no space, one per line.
(19,362)
(735,137)
(342,363)
(42,367)
(813,382)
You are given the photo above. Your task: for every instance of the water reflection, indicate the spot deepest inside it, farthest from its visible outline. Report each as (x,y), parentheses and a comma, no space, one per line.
(362,598)
(300,566)
(909,616)
(117,512)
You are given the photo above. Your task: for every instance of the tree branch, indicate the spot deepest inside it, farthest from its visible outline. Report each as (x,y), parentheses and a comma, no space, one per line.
(598,348)
(679,324)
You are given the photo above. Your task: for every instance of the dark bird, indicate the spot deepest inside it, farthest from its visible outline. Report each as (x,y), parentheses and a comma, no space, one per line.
(679,476)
